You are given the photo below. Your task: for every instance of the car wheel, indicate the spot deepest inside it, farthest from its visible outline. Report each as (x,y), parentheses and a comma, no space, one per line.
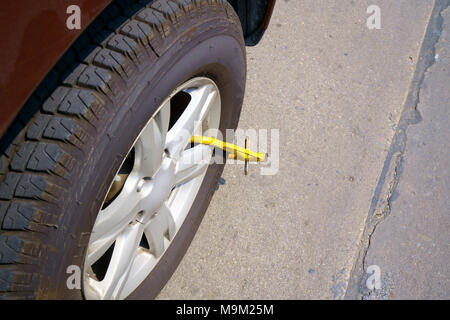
(101,190)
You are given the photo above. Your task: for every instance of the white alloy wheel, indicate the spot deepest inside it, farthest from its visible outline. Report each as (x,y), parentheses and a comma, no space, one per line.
(136,226)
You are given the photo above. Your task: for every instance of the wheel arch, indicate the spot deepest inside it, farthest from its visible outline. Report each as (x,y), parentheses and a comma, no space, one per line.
(255,16)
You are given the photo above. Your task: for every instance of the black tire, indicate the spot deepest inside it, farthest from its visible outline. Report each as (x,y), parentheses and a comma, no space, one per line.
(61,154)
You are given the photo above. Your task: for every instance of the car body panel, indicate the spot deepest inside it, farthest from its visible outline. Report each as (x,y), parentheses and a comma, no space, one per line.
(35,36)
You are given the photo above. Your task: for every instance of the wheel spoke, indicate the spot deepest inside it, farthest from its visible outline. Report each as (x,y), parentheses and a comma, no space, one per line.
(150,145)
(125,249)
(210,101)
(98,248)
(118,213)
(193,162)
(163,119)
(160,225)
(179,135)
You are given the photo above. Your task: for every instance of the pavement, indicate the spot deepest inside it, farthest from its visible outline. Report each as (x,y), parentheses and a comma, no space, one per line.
(411,246)
(363,179)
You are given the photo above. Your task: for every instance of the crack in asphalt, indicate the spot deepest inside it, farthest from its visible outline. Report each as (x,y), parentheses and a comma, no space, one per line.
(391,173)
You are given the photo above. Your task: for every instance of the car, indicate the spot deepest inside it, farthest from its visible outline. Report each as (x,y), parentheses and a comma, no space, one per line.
(100,99)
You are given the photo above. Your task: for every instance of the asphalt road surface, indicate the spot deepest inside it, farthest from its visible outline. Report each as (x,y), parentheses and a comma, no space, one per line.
(363,179)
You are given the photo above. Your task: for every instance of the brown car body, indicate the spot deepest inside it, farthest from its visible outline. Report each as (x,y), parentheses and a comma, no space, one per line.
(35,36)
